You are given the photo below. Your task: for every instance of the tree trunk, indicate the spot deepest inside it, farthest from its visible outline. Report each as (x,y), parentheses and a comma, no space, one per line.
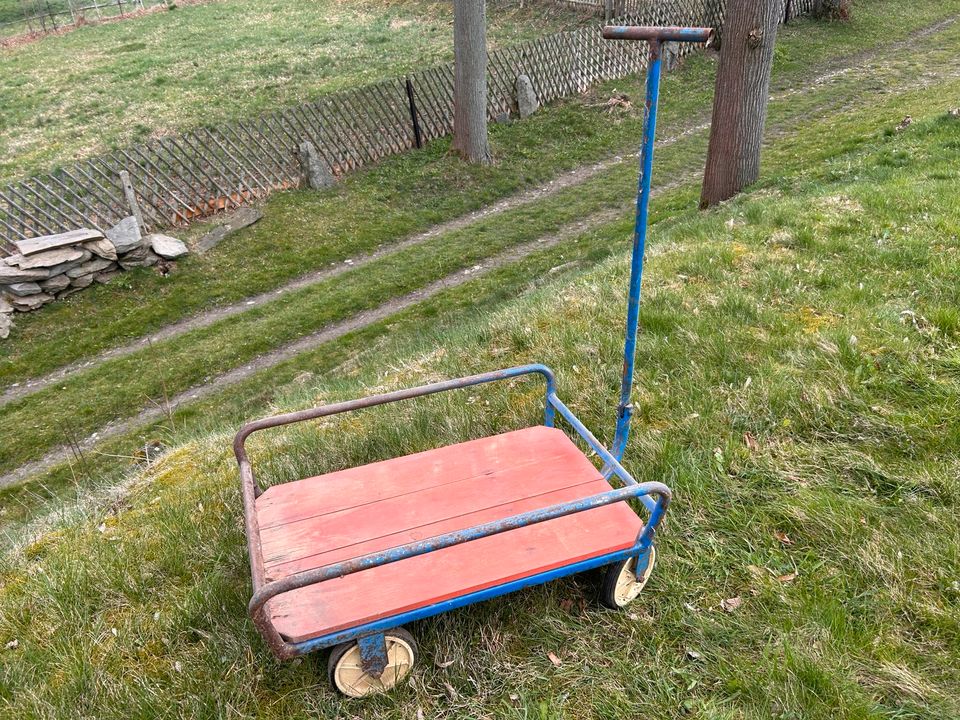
(740,98)
(470,81)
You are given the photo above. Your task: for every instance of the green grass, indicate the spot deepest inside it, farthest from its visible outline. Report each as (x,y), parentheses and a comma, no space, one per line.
(304,231)
(62,413)
(103,86)
(798,386)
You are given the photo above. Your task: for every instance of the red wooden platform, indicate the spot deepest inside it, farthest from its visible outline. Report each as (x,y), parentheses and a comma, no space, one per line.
(322,520)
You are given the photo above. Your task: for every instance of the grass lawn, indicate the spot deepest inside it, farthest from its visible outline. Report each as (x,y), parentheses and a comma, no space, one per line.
(304,231)
(798,387)
(100,86)
(349,220)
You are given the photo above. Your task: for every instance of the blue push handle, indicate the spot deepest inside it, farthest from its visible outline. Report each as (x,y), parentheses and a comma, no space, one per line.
(657,34)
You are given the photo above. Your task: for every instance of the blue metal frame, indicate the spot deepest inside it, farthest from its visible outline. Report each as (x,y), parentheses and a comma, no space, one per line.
(655,37)
(654,496)
(380,626)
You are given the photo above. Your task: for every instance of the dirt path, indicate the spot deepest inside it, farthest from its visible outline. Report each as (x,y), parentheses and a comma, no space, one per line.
(363,319)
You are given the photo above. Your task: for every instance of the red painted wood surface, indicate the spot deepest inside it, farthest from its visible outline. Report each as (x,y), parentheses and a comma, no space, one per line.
(322,520)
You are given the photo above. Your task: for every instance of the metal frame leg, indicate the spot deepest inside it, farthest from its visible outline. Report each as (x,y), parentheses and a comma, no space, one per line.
(373,654)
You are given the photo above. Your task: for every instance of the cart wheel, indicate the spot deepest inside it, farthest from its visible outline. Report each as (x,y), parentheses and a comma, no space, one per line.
(348,676)
(621,584)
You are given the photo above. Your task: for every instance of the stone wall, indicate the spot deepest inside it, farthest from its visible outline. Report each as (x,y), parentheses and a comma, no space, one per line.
(53,267)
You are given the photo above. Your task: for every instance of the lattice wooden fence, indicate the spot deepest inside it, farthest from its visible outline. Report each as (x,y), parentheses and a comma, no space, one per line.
(179,178)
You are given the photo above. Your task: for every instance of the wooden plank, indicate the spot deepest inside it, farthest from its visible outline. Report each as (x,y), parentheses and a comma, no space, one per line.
(455,571)
(48,242)
(277,570)
(302,499)
(462,497)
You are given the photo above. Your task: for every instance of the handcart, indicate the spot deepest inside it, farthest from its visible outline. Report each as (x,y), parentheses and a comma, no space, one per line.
(345,559)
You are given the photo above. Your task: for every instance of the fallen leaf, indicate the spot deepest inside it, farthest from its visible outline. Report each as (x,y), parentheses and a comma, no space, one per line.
(693,654)
(751,442)
(514,697)
(789,577)
(782,537)
(13,644)
(554,659)
(566,604)
(904,124)
(451,693)
(443,663)
(731,604)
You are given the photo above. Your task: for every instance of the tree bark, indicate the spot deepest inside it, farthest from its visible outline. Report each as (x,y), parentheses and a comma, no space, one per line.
(470,81)
(740,98)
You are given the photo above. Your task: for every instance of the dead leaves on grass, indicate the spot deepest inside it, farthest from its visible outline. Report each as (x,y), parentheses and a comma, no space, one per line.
(731,604)
(783,538)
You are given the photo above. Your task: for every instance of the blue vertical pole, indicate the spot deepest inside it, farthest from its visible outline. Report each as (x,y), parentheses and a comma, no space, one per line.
(625,408)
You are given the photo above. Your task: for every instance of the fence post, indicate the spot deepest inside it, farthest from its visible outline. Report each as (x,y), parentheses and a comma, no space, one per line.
(53,17)
(132,199)
(607,11)
(417,136)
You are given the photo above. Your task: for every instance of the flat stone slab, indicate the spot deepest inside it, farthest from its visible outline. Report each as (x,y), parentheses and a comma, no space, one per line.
(125,235)
(64,267)
(31,302)
(48,242)
(47,258)
(22,289)
(55,283)
(10,274)
(82,281)
(166,247)
(149,259)
(241,218)
(102,248)
(89,267)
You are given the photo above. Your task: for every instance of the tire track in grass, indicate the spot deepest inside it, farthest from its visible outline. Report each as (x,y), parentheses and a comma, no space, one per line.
(528,197)
(318,338)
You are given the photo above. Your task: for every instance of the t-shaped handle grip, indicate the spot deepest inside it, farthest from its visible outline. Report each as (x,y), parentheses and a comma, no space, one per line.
(657,34)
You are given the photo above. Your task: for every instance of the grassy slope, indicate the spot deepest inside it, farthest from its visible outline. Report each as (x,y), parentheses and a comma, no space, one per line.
(101,86)
(799,389)
(304,231)
(170,367)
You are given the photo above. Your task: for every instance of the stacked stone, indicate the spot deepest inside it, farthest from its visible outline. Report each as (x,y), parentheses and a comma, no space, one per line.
(56,266)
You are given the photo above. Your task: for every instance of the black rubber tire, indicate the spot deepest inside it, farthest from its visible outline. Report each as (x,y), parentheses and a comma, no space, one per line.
(338,651)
